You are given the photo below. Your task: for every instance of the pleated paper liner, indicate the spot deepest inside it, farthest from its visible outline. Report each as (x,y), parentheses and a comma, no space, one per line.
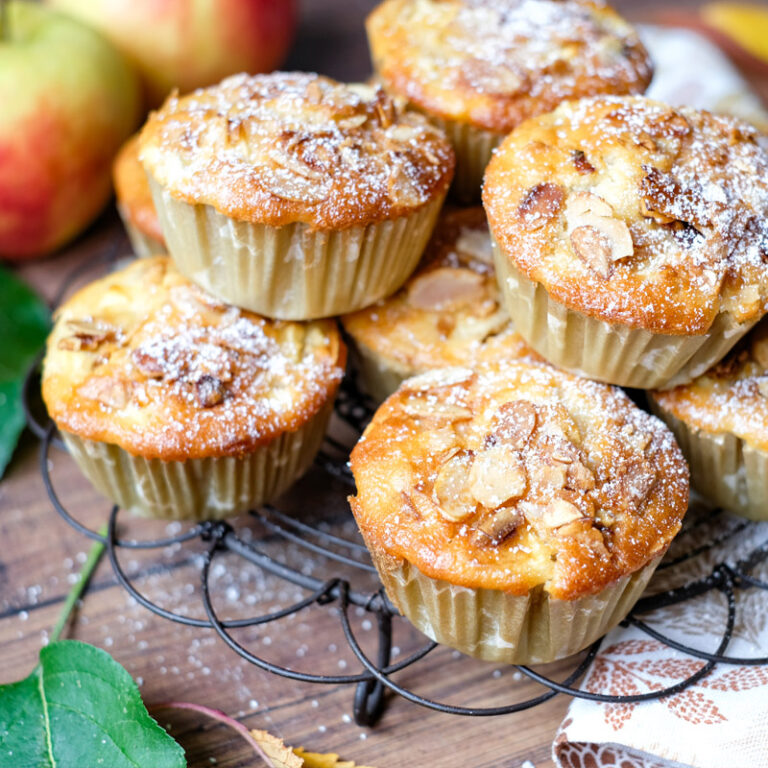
(724,468)
(293,272)
(143,245)
(199,489)
(379,376)
(610,352)
(497,626)
(473,147)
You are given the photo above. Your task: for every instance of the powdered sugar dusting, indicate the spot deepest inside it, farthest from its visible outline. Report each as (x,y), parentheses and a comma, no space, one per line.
(504,60)
(691,187)
(286,147)
(517,475)
(188,376)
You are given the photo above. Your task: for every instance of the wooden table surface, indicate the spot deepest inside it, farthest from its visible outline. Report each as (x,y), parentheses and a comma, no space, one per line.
(41,555)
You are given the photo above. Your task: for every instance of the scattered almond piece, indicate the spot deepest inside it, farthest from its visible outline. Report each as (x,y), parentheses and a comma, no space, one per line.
(446,288)
(109,391)
(541,204)
(498,526)
(515,422)
(450,489)
(497,476)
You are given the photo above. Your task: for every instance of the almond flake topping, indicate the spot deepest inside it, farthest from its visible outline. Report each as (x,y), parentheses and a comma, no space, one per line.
(446,288)
(450,489)
(497,476)
(597,238)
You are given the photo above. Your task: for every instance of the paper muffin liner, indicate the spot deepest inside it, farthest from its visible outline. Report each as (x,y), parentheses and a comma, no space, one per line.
(143,245)
(724,468)
(473,147)
(293,272)
(199,489)
(496,626)
(610,352)
(379,376)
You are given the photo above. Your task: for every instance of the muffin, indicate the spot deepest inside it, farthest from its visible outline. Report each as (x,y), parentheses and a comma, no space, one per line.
(478,68)
(448,313)
(516,512)
(720,421)
(175,405)
(631,237)
(134,201)
(293,195)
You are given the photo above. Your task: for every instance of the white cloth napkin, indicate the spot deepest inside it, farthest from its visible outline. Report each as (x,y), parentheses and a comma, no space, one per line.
(691,70)
(720,721)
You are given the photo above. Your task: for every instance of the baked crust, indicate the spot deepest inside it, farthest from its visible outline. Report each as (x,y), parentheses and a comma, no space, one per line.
(730,398)
(146,360)
(517,475)
(495,63)
(132,190)
(449,311)
(634,212)
(292,147)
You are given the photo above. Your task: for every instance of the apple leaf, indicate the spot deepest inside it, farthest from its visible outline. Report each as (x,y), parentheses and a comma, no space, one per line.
(79,707)
(24,324)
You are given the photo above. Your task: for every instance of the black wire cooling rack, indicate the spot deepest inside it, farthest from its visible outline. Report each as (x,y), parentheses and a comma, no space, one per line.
(376,676)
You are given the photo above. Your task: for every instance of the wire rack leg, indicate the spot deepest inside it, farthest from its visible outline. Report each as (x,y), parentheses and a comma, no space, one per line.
(369,695)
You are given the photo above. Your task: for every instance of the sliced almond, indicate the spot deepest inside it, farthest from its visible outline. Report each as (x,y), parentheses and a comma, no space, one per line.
(582,204)
(109,391)
(580,477)
(284,158)
(402,190)
(350,123)
(148,364)
(514,423)
(498,525)
(497,476)
(445,289)
(762,386)
(87,335)
(403,132)
(209,390)
(549,475)
(541,204)
(475,243)
(560,512)
(439,378)
(419,406)
(638,480)
(593,248)
(450,489)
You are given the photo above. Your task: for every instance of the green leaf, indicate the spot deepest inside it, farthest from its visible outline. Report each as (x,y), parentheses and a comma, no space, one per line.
(24,324)
(80,708)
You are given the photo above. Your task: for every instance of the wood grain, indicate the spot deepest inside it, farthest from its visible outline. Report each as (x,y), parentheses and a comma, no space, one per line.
(41,554)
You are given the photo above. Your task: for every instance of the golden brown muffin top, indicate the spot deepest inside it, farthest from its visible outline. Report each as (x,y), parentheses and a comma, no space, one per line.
(731,397)
(132,190)
(515,475)
(449,312)
(495,63)
(293,147)
(146,360)
(634,212)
